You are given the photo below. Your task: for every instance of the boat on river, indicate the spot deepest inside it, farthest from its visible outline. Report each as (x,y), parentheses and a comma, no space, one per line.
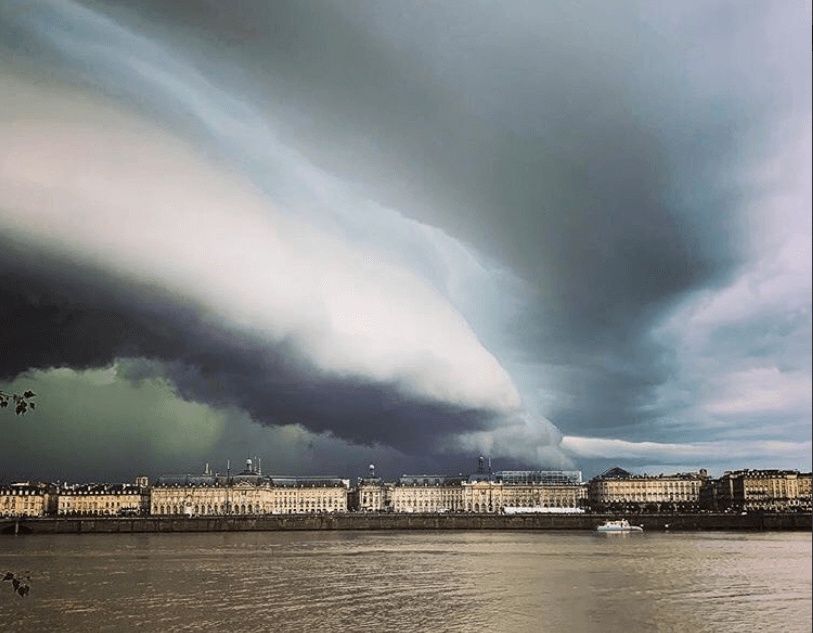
(619,526)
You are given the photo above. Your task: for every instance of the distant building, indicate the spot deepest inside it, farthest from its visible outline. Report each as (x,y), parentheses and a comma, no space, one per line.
(804,482)
(483,492)
(247,493)
(502,497)
(27,499)
(251,493)
(539,476)
(298,495)
(617,490)
(103,499)
(370,494)
(754,490)
(428,493)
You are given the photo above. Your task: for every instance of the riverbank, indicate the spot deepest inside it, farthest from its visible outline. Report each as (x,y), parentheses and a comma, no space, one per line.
(373,521)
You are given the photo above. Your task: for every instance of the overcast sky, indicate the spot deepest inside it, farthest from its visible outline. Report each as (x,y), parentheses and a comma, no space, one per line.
(328,234)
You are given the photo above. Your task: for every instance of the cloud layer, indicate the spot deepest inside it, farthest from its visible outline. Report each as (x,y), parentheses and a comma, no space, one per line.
(427,230)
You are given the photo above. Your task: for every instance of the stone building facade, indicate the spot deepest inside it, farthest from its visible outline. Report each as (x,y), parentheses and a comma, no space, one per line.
(483,492)
(439,497)
(371,496)
(103,499)
(27,499)
(544,496)
(759,490)
(248,498)
(804,481)
(246,493)
(617,490)
(249,493)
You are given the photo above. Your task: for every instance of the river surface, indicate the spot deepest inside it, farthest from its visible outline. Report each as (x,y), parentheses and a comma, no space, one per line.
(471,582)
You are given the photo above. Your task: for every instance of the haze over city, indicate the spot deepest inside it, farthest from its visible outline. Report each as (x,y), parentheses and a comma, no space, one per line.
(562,235)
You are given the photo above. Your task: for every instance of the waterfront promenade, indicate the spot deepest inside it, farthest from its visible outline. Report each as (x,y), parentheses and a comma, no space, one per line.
(396,521)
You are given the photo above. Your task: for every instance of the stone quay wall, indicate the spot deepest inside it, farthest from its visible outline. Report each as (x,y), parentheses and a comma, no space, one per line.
(384,521)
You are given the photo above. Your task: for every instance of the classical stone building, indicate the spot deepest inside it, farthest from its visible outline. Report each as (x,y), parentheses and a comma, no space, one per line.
(426,493)
(535,497)
(617,490)
(246,493)
(297,495)
(250,493)
(370,494)
(103,499)
(244,498)
(197,499)
(754,490)
(26,499)
(804,481)
(482,492)
(541,490)
(559,477)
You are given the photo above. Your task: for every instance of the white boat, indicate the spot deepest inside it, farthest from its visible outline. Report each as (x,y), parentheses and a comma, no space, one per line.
(619,526)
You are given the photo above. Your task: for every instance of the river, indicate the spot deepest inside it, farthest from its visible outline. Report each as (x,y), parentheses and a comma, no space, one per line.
(467,581)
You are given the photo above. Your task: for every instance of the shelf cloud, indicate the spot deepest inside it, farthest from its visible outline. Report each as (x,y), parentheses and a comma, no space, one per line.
(407,234)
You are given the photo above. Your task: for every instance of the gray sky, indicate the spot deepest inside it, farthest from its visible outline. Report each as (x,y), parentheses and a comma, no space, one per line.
(565,235)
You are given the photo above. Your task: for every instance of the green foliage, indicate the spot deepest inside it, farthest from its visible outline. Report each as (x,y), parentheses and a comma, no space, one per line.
(22,403)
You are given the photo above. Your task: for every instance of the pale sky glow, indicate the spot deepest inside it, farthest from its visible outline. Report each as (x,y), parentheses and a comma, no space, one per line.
(761,391)
(594,447)
(558,235)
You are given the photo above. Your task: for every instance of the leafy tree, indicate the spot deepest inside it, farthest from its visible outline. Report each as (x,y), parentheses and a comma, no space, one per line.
(22,403)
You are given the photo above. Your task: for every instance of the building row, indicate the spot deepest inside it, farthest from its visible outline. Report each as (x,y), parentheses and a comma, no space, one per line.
(617,490)
(483,491)
(249,493)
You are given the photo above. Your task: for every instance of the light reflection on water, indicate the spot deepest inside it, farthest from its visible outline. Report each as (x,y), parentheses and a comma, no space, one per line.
(410,581)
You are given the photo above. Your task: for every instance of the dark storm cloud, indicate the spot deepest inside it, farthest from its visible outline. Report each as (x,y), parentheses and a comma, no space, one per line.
(84,320)
(598,151)
(276,386)
(592,148)
(411,397)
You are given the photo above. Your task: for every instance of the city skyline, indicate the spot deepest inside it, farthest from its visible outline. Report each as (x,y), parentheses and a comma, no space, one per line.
(511,492)
(253,472)
(567,237)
